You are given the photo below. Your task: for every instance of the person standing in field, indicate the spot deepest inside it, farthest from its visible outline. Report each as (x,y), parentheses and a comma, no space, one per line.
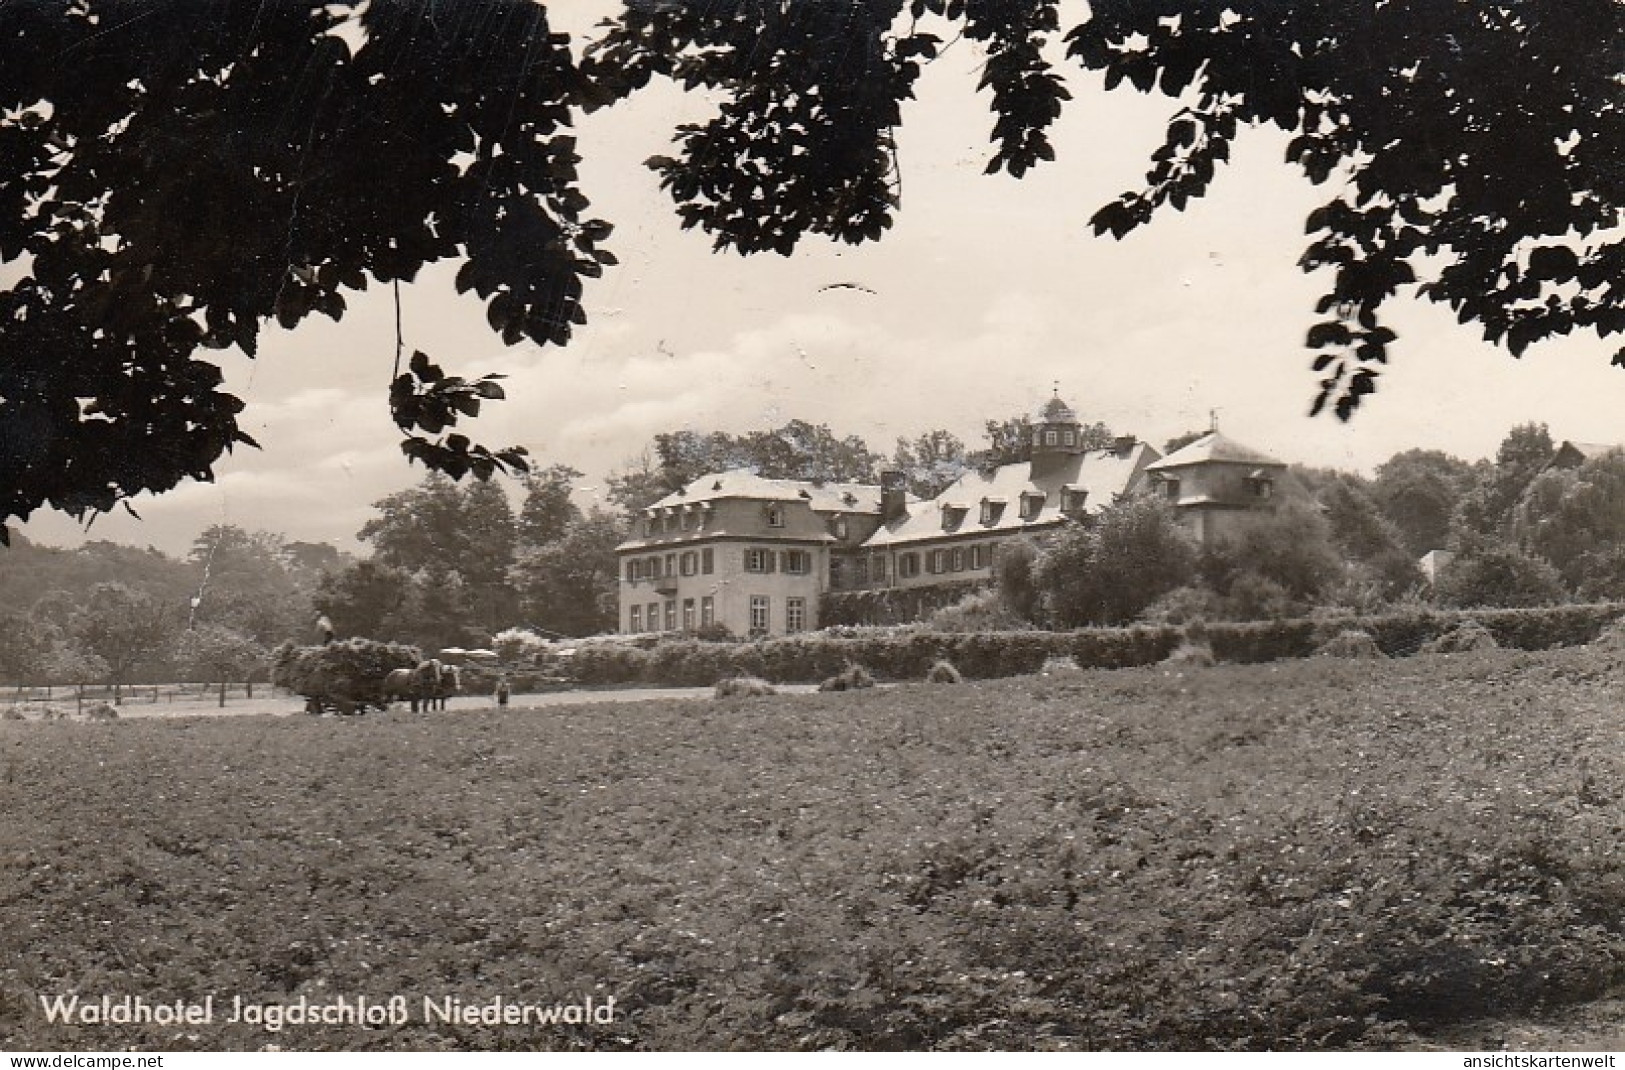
(502,690)
(325,627)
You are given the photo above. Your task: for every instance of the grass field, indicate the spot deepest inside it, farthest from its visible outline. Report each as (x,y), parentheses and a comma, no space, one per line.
(1307,854)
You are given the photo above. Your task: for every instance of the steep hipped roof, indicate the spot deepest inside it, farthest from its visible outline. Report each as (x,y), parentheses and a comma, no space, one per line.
(1214,447)
(1105,475)
(744,483)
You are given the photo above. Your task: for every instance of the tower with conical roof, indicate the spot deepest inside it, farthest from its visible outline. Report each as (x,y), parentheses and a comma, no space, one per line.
(1057,436)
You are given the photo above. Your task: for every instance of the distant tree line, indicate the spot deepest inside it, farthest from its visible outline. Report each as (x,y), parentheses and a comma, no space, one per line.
(457,565)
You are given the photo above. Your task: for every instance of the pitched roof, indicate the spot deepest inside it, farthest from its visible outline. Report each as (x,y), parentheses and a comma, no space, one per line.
(1103,474)
(745,483)
(1213,447)
(1589,450)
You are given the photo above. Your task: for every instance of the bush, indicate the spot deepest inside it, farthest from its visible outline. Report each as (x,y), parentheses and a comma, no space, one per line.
(1189,653)
(1108,570)
(1463,636)
(979,611)
(943,672)
(744,686)
(852,678)
(606,663)
(1350,643)
(1499,576)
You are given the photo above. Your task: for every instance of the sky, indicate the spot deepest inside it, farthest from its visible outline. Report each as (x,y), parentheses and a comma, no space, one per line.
(987,293)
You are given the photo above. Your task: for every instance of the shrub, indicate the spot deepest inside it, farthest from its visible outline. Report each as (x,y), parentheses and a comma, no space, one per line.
(978,611)
(715,633)
(1463,636)
(1350,643)
(606,663)
(852,678)
(1107,571)
(12,714)
(746,686)
(1188,653)
(943,672)
(1499,576)
(100,711)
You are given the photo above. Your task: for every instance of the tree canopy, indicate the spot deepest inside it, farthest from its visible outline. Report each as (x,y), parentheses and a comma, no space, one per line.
(325,148)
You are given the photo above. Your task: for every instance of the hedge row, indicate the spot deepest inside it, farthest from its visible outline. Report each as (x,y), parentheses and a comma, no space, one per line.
(908,655)
(891,605)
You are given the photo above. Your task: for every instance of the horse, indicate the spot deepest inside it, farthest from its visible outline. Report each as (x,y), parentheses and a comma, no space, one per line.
(450,681)
(421,684)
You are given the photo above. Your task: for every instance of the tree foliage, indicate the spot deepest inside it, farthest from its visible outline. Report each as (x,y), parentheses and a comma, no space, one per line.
(570,585)
(123,628)
(1468,151)
(1108,570)
(1575,520)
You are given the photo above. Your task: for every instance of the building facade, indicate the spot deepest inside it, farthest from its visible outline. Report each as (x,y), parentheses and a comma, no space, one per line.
(1218,486)
(752,555)
(758,556)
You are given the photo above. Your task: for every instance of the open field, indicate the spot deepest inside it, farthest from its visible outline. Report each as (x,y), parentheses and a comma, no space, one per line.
(1301,854)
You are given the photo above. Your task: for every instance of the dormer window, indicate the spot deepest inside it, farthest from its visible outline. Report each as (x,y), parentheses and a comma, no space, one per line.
(775,516)
(952,516)
(1073,500)
(1262,484)
(1031,504)
(840,527)
(649,525)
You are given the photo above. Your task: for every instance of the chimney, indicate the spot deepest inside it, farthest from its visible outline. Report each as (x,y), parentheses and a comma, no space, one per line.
(1123,445)
(893,496)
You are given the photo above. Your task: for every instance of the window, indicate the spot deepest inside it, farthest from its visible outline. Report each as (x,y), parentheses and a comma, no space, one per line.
(840,527)
(648,526)
(1070,438)
(757,560)
(634,619)
(1170,487)
(908,566)
(688,520)
(978,556)
(1050,438)
(671,615)
(708,611)
(652,617)
(688,614)
(860,572)
(689,563)
(1031,505)
(707,561)
(933,563)
(671,521)
(671,564)
(956,559)
(775,516)
(797,562)
(837,574)
(632,571)
(795,614)
(877,570)
(761,614)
